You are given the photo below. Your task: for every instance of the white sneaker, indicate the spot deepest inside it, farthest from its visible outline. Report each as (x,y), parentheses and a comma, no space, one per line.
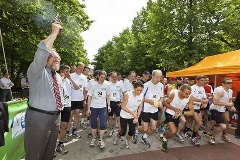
(212,140)
(127,144)
(111,133)
(115,138)
(122,138)
(101,144)
(92,144)
(179,137)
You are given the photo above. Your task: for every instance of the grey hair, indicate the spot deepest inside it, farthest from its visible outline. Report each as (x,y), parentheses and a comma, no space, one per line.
(156,71)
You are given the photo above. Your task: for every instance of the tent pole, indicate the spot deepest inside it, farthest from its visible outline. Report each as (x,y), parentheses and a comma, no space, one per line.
(4,57)
(215,81)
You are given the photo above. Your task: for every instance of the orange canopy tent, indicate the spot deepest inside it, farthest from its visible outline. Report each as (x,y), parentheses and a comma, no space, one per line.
(223,65)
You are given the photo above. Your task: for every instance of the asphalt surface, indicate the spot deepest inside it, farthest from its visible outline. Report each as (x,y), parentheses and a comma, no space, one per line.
(79,149)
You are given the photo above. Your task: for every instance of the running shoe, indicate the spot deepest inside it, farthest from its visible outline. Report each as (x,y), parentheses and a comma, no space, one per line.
(92,143)
(195,141)
(127,144)
(207,135)
(135,137)
(122,138)
(101,144)
(66,139)
(164,142)
(61,149)
(145,141)
(225,138)
(212,140)
(187,135)
(76,135)
(179,137)
(111,133)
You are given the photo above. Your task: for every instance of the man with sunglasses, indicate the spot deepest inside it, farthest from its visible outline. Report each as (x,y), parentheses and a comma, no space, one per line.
(222,99)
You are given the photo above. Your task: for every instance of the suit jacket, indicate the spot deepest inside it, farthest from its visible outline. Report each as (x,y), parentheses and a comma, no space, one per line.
(4,118)
(237,102)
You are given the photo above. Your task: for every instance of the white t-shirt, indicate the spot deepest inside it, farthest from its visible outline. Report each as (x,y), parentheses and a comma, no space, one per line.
(132,104)
(6,83)
(177,102)
(154,92)
(24,83)
(89,83)
(67,88)
(121,81)
(128,85)
(116,90)
(81,81)
(99,93)
(199,93)
(225,99)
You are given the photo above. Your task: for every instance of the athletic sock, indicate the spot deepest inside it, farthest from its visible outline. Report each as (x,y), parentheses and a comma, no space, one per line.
(145,135)
(136,132)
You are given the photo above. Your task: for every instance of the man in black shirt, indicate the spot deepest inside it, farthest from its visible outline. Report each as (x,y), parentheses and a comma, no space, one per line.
(145,77)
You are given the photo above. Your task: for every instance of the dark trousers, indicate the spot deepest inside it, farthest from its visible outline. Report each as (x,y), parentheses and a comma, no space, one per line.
(124,123)
(238,126)
(41,132)
(5,95)
(24,92)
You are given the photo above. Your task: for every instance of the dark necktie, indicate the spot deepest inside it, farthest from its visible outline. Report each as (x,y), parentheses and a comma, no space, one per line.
(56,91)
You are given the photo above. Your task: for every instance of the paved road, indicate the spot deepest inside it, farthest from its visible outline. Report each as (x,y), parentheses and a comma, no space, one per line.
(79,149)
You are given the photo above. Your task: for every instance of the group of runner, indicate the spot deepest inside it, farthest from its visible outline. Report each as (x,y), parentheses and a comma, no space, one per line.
(175,107)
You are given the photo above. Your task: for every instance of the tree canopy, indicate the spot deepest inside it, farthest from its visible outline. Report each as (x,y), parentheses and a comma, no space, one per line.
(25,23)
(172,35)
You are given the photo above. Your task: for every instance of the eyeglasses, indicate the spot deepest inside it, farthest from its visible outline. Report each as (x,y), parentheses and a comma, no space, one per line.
(55,57)
(228,82)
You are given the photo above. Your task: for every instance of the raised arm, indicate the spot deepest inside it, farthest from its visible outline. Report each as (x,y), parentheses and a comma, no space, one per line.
(43,51)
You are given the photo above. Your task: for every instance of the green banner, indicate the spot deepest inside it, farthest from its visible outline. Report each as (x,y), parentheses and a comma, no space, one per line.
(14,144)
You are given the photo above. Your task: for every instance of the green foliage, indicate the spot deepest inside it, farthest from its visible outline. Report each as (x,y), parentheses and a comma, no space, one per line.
(172,35)
(25,23)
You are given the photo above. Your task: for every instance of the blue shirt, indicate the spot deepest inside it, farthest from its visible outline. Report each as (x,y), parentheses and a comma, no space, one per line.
(41,90)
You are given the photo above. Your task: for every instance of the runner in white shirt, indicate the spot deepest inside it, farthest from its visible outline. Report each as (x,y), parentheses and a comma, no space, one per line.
(119,77)
(98,99)
(66,112)
(128,83)
(78,97)
(153,98)
(199,98)
(175,105)
(222,98)
(95,75)
(116,92)
(131,109)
